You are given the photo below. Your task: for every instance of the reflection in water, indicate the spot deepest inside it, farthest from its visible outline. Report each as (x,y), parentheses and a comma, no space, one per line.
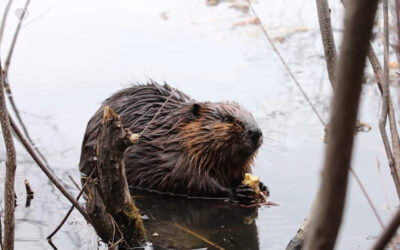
(174,222)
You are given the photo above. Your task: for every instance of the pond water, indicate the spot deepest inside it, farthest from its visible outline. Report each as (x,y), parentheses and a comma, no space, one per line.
(73,54)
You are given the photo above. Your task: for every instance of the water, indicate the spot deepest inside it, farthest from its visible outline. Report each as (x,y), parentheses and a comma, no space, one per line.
(72,55)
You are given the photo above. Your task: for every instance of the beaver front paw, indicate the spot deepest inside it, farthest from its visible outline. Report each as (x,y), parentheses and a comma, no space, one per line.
(264,188)
(244,194)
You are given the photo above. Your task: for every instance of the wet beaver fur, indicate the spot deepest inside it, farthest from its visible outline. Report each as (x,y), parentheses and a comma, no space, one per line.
(191,148)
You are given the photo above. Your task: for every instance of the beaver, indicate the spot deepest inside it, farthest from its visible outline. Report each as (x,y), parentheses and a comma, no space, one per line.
(196,149)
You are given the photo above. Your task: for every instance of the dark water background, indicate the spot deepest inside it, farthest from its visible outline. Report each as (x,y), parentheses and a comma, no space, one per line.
(73,54)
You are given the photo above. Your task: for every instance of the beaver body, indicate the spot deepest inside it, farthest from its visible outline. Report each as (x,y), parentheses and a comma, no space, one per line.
(190,148)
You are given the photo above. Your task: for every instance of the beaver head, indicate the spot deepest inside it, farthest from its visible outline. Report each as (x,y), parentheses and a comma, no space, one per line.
(223,137)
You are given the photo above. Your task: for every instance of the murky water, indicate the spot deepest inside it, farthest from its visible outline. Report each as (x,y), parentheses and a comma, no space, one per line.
(73,54)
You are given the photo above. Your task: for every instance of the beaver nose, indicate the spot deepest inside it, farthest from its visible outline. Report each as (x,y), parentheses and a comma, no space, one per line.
(255,135)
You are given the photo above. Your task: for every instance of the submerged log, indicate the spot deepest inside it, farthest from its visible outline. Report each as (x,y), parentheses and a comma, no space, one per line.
(110,206)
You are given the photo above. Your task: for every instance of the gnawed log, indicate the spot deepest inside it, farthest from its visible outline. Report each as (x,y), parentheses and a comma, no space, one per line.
(110,205)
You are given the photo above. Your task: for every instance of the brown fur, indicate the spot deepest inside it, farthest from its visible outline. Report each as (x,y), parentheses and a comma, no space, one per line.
(191,148)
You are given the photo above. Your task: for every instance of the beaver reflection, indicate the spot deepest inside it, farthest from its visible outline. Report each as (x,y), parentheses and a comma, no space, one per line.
(168,219)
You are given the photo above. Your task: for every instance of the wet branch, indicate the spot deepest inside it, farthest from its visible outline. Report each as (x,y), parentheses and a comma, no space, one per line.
(325,222)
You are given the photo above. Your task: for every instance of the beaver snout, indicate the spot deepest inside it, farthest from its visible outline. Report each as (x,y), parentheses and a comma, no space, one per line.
(255,135)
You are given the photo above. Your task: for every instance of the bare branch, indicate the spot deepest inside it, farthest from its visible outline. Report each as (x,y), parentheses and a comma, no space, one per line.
(388,233)
(328,41)
(15,37)
(4,20)
(325,222)
(286,65)
(9,199)
(46,171)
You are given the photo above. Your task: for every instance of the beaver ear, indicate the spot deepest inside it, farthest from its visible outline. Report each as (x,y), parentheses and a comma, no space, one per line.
(195,110)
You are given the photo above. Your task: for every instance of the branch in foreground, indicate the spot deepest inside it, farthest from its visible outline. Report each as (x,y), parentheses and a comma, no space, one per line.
(325,222)
(9,199)
(388,233)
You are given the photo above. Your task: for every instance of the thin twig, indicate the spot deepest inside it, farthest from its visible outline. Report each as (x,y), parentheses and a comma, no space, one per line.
(1,230)
(4,20)
(393,153)
(286,65)
(368,198)
(7,84)
(52,245)
(378,72)
(75,183)
(158,112)
(69,211)
(328,41)
(329,46)
(15,37)
(378,166)
(388,233)
(397,2)
(140,118)
(46,171)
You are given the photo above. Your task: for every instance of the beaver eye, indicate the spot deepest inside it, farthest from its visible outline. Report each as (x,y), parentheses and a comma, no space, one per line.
(228,119)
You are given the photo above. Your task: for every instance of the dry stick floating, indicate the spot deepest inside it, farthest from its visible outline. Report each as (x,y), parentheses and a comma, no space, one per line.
(4,20)
(46,171)
(388,233)
(9,199)
(328,41)
(187,230)
(325,222)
